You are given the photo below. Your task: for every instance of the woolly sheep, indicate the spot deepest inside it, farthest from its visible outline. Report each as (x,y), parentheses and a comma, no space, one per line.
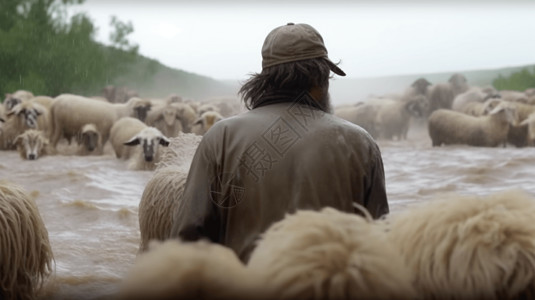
(168,119)
(70,113)
(364,115)
(162,194)
(420,87)
(32,144)
(199,270)
(132,132)
(89,140)
(441,95)
(393,118)
(25,115)
(26,253)
(206,121)
(474,94)
(469,247)
(330,255)
(451,127)
(17,97)
(514,96)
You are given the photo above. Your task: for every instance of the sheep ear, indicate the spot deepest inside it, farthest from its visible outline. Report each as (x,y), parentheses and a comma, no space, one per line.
(132,142)
(198,121)
(17,139)
(164,141)
(2,120)
(524,123)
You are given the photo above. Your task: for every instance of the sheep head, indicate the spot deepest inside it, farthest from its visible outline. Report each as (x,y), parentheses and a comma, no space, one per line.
(149,138)
(31,144)
(89,137)
(11,101)
(29,112)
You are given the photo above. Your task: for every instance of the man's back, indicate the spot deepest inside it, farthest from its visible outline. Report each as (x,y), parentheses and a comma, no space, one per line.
(252,169)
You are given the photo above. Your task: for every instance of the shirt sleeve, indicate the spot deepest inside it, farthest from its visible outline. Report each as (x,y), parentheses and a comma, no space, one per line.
(376,201)
(197,217)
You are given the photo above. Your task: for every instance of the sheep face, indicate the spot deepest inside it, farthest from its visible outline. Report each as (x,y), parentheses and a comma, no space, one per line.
(11,102)
(31,144)
(90,137)
(170,115)
(140,112)
(421,85)
(149,138)
(29,114)
(511,115)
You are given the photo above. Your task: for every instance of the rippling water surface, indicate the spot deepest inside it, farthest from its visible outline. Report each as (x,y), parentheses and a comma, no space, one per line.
(89,204)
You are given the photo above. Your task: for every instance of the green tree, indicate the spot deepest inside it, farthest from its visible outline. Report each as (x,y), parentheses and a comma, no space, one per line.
(518,81)
(45,52)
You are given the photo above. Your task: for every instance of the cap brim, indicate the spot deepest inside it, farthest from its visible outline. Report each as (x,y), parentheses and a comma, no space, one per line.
(335,68)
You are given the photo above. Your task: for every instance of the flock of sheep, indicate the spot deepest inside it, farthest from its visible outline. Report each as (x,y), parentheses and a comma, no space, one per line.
(455,113)
(462,247)
(136,128)
(454,247)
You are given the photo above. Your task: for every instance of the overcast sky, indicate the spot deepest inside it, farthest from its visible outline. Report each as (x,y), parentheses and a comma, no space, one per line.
(222,39)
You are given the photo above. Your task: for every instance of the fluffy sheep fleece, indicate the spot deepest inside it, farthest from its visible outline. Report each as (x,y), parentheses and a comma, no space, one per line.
(162,194)
(200,270)
(330,255)
(158,205)
(26,256)
(469,247)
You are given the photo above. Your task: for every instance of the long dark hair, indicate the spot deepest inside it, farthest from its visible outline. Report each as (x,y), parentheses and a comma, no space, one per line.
(295,76)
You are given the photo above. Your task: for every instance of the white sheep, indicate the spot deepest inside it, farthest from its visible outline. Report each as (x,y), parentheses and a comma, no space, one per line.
(199,270)
(442,95)
(168,119)
(451,127)
(330,255)
(32,144)
(469,247)
(471,96)
(364,115)
(17,97)
(23,116)
(89,140)
(205,122)
(26,259)
(163,192)
(69,113)
(132,132)
(393,118)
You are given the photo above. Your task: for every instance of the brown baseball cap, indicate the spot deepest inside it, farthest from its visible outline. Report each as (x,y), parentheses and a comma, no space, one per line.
(294,42)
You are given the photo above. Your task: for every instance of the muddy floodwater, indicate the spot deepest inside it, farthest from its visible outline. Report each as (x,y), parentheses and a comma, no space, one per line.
(90,203)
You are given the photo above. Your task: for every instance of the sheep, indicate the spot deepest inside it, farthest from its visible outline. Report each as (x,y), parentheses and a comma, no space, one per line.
(473,95)
(188,116)
(523,134)
(26,253)
(132,132)
(205,122)
(134,107)
(45,101)
(199,270)
(330,255)
(69,113)
(206,107)
(441,95)
(469,247)
(393,118)
(363,115)
(477,109)
(168,119)
(451,127)
(25,115)
(514,96)
(419,87)
(162,194)
(159,202)
(89,140)
(16,98)
(32,144)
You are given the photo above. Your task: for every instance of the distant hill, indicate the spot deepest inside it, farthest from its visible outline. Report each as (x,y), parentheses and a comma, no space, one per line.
(165,81)
(151,79)
(352,90)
